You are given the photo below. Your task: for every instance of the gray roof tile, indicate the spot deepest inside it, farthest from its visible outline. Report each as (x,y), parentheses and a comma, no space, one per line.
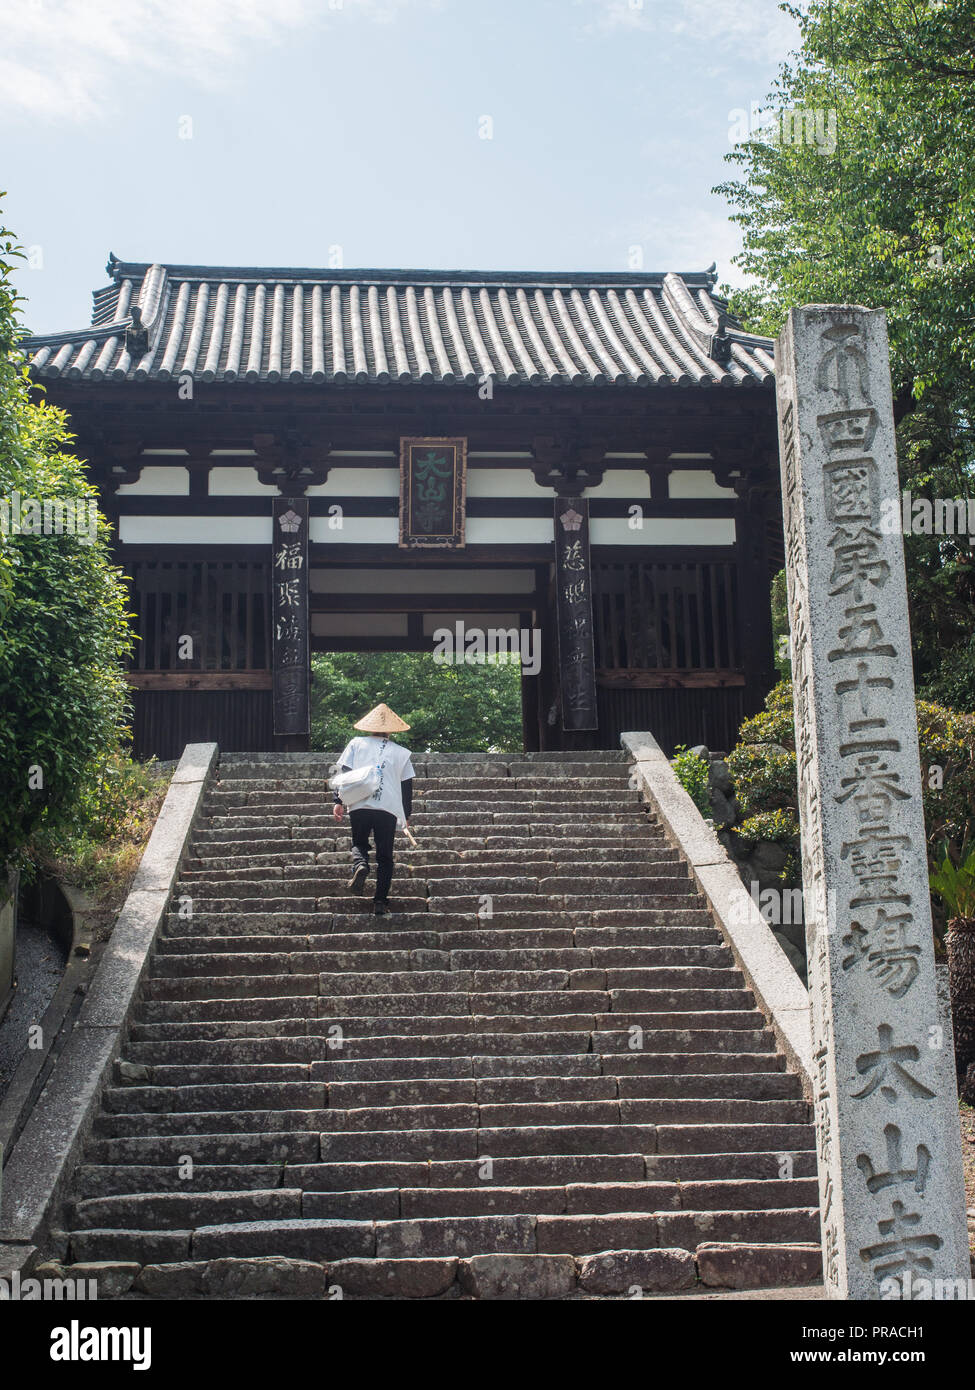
(219,323)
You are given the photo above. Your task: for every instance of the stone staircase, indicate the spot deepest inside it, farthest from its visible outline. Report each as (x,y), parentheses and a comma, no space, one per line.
(541,1076)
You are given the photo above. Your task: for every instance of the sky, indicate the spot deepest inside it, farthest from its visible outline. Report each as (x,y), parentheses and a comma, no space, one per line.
(554,135)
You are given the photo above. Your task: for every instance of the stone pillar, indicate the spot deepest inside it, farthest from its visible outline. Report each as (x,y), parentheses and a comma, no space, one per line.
(889,1151)
(290,643)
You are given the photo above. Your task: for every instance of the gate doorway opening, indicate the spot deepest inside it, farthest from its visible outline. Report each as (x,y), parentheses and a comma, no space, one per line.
(451,706)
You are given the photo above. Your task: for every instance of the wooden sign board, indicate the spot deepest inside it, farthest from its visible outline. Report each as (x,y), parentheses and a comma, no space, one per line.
(573,578)
(289,615)
(433,490)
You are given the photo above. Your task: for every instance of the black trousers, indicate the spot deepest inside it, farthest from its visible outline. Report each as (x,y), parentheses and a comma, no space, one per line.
(382,826)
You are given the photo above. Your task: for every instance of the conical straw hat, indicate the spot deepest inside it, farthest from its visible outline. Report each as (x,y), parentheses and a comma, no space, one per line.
(381,720)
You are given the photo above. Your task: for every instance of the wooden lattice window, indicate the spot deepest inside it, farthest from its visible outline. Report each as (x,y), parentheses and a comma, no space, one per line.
(654,616)
(221,606)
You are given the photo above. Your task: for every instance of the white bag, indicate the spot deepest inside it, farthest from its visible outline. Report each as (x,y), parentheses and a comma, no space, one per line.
(356,786)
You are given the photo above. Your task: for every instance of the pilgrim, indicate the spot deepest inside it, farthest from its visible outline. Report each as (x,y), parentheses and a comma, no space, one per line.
(375,783)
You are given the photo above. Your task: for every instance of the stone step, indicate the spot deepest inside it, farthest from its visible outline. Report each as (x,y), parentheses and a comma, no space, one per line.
(453,1079)
(627,987)
(574,1199)
(346,930)
(346,904)
(477,1038)
(300,1142)
(739,1166)
(110,1180)
(548,1088)
(447,764)
(673,1068)
(439,878)
(331,883)
(312,778)
(694,1174)
(234,1107)
(328,837)
(464,817)
(593,794)
(679,895)
(542,862)
(639,1008)
(543,1170)
(310,955)
(546,1050)
(329,1239)
(154,1211)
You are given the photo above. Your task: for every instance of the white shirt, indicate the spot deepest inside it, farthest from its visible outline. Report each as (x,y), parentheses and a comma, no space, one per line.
(394,766)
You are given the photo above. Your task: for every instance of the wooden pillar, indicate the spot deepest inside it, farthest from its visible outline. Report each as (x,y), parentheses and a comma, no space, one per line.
(754,590)
(290,642)
(529,698)
(573,595)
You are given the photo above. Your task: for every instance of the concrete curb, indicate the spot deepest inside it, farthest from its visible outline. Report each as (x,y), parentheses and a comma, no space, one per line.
(43,1158)
(779,992)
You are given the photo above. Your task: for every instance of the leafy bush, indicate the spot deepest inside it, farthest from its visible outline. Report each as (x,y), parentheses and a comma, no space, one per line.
(954,884)
(99,846)
(774,724)
(692,773)
(946,742)
(763,766)
(63,622)
(765,778)
(953,682)
(776,827)
(779,827)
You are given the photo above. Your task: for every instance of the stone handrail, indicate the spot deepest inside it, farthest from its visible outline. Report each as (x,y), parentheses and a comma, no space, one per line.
(779,992)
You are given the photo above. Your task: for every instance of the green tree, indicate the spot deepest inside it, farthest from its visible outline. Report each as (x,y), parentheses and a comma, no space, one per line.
(867,195)
(63,622)
(456,709)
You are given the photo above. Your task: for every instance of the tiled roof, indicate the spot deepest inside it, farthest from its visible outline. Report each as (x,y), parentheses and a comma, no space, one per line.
(219,323)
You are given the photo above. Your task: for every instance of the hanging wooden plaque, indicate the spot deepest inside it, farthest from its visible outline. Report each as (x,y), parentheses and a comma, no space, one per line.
(573,582)
(289,615)
(433,488)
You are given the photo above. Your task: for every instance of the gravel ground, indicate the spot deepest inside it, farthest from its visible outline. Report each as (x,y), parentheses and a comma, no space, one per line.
(968,1152)
(40,965)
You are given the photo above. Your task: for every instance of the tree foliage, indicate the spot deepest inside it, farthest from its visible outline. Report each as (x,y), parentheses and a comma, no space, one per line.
(63,623)
(460,708)
(763,766)
(884,216)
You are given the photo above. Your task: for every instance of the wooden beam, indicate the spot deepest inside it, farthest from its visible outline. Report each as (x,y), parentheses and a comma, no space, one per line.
(199,680)
(421,603)
(618,679)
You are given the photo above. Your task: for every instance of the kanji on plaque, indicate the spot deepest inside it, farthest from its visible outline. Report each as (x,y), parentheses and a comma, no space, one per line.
(577,664)
(290,646)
